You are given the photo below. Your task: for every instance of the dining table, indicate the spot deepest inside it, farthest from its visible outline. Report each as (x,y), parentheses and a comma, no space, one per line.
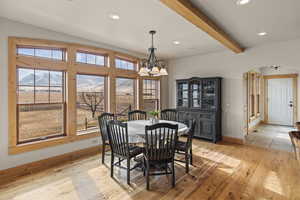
(136,129)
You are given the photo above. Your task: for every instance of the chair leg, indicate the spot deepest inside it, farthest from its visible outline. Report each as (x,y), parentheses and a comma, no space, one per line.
(103,152)
(173,174)
(112,165)
(166,170)
(147,175)
(191,156)
(144,167)
(128,171)
(187,162)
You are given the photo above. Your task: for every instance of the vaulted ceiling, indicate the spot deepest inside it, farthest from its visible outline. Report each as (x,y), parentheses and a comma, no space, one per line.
(90,19)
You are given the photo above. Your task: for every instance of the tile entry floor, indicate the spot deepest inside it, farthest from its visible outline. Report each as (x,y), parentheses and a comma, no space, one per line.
(271,137)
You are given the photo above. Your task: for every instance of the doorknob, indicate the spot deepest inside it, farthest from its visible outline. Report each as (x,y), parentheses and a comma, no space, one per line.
(291,105)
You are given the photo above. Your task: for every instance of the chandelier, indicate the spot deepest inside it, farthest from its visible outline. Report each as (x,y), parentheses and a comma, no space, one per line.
(152,66)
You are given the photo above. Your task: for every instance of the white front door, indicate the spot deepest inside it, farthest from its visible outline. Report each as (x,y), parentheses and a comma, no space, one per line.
(280,101)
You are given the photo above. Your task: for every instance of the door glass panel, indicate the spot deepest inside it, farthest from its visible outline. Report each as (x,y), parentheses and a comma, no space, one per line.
(195,92)
(184,86)
(196,103)
(179,103)
(209,93)
(185,94)
(195,86)
(185,103)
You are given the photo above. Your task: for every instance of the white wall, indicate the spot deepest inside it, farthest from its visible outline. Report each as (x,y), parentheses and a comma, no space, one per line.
(281,70)
(231,67)
(10,28)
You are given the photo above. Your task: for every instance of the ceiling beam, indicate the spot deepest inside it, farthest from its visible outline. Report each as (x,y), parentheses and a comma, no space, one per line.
(194,15)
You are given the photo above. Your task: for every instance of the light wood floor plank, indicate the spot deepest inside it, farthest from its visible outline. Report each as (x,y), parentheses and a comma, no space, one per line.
(220,171)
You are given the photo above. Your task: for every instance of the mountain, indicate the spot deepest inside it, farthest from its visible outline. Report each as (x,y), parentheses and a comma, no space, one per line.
(27,79)
(41,78)
(84,82)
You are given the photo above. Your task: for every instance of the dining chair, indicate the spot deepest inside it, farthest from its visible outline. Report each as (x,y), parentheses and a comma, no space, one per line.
(137,115)
(185,148)
(120,147)
(295,140)
(103,120)
(169,114)
(159,151)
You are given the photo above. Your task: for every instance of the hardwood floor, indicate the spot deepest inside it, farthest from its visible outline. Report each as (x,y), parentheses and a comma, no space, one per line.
(221,171)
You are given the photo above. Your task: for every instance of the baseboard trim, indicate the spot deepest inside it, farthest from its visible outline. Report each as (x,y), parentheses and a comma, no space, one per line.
(11,174)
(232,140)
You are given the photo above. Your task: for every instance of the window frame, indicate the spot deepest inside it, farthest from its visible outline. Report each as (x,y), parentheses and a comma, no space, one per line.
(127,60)
(135,92)
(71,68)
(64,52)
(105,100)
(254,95)
(158,89)
(63,103)
(91,53)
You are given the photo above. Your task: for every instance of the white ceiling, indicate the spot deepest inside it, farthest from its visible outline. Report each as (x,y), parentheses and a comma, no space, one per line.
(279,18)
(90,19)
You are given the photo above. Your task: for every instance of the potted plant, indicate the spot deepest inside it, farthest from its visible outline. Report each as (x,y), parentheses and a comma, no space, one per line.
(154,116)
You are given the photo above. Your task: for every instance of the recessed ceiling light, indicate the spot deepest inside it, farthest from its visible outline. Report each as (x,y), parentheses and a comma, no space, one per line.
(114,16)
(176,42)
(242,2)
(262,33)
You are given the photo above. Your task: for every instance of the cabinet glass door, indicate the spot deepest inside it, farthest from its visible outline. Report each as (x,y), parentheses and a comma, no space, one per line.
(195,94)
(208,94)
(183,94)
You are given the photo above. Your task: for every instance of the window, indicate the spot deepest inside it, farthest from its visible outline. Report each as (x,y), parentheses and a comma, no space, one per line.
(258,91)
(40,104)
(254,92)
(90,102)
(124,64)
(125,96)
(56,54)
(88,58)
(151,95)
(56,92)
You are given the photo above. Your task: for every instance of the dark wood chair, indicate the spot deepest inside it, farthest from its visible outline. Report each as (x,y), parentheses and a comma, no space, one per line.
(120,147)
(103,120)
(137,115)
(295,139)
(185,148)
(159,152)
(169,114)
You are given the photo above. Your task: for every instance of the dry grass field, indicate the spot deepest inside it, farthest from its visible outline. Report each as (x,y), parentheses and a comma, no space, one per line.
(44,120)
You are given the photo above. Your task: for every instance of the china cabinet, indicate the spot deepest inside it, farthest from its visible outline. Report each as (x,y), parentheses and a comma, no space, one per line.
(200,99)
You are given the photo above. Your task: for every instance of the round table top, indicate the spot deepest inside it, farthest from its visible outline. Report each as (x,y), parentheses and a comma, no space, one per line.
(136,129)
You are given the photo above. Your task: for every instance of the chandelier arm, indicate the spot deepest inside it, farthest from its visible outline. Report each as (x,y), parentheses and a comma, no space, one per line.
(152,66)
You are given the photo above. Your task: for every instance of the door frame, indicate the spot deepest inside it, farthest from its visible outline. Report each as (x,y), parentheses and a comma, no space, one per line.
(295,94)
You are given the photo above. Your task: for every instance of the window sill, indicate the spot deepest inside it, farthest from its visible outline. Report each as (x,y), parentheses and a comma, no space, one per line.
(86,135)
(32,146)
(88,131)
